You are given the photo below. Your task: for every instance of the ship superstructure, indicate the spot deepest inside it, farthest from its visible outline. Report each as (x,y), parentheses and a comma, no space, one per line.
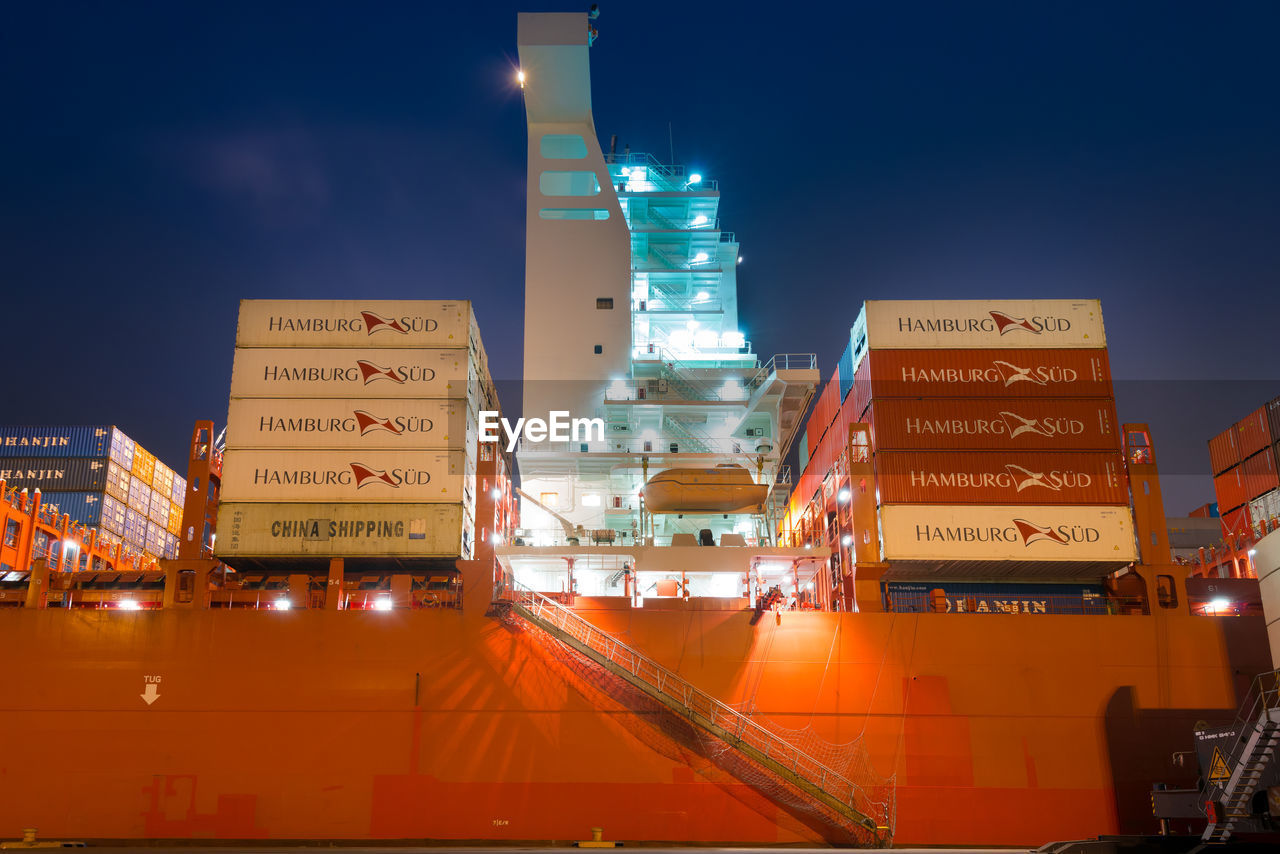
(631,317)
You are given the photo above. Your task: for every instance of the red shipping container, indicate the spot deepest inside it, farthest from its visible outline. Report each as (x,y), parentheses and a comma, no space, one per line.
(983,373)
(1229,487)
(1253,433)
(1236,522)
(824,411)
(1000,477)
(1224,451)
(994,424)
(1259,474)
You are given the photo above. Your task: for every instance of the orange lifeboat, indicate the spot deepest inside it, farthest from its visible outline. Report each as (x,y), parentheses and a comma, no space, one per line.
(727,488)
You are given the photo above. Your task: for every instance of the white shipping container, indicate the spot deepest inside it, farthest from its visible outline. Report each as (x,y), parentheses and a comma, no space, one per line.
(355,475)
(1265,507)
(1006,533)
(978,324)
(340,530)
(375,423)
(298,373)
(355,323)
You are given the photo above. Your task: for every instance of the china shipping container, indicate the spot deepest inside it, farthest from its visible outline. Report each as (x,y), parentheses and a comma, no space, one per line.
(1012,535)
(1258,473)
(304,373)
(22,441)
(1254,433)
(981,373)
(342,423)
(966,324)
(993,424)
(279,530)
(1224,450)
(1229,489)
(57,474)
(357,476)
(1000,477)
(82,507)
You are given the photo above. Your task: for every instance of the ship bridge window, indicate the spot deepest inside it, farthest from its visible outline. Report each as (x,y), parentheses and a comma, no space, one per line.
(565,183)
(563,146)
(596,214)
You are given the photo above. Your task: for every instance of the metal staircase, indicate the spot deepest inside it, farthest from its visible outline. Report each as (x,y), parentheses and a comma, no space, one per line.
(1257,734)
(736,730)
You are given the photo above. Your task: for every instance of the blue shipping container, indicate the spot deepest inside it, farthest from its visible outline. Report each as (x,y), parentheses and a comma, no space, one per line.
(804,450)
(53,474)
(82,507)
(961,597)
(846,372)
(55,441)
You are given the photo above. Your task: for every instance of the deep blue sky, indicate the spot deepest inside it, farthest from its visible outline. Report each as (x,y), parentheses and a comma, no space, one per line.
(163,160)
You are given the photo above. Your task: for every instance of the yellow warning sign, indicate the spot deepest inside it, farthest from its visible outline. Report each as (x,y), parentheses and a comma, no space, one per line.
(1218,770)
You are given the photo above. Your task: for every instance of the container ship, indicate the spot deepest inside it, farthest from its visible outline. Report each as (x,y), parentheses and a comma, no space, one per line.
(959,623)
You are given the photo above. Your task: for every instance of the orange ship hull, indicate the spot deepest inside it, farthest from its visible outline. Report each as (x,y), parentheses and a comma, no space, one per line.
(1000,729)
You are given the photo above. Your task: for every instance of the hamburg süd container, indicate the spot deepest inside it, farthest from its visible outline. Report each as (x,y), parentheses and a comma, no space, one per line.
(1224,450)
(304,373)
(373,476)
(62,474)
(980,324)
(981,373)
(975,424)
(337,423)
(1253,433)
(1000,477)
(1011,535)
(1230,489)
(355,323)
(24,441)
(341,530)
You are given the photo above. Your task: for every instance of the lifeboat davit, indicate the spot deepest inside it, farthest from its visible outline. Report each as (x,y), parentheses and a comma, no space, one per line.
(727,488)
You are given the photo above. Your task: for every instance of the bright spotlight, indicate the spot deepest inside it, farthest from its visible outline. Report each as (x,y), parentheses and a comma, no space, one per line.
(283,605)
(699,220)
(843,496)
(495,493)
(1219,605)
(703,295)
(520,78)
(846,540)
(695,178)
(699,258)
(383,604)
(129,605)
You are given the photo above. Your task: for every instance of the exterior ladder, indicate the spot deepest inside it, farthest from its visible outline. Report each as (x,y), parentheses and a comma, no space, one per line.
(738,731)
(1257,734)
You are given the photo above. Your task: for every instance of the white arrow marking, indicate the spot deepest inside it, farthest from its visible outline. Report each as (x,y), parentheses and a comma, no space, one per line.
(149,693)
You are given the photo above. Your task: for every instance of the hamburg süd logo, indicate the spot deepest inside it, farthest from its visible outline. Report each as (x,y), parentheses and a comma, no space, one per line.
(1017,425)
(1006,323)
(366,475)
(1025,478)
(368,423)
(377,323)
(1033,533)
(1011,373)
(370,372)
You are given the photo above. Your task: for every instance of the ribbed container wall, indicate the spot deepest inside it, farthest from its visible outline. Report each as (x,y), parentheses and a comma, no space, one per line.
(978,424)
(49,474)
(1224,450)
(82,507)
(1230,489)
(1254,433)
(1014,477)
(21,441)
(1258,473)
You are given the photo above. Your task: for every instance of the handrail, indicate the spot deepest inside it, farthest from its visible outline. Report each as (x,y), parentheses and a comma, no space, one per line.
(1256,714)
(734,728)
(783,362)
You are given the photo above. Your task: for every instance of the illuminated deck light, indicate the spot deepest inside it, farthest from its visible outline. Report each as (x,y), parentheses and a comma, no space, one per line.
(695,178)
(283,605)
(699,220)
(520,78)
(383,604)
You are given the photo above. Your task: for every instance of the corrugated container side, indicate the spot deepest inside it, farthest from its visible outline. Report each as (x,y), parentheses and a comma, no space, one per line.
(122,448)
(82,507)
(1001,424)
(824,411)
(1253,433)
(338,476)
(139,496)
(158,512)
(113,514)
(305,373)
(1224,451)
(337,423)
(144,466)
(1008,533)
(178,495)
(804,452)
(1259,473)
(988,373)
(55,474)
(1273,420)
(1266,507)
(174,523)
(156,535)
(965,324)
(57,441)
(1236,522)
(118,481)
(999,477)
(845,371)
(1229,489)
(280,530)
(354,323)
(109,538)
(162,480)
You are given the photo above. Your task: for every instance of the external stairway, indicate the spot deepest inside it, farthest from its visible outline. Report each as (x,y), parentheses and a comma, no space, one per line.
(1257,734)
(767,750)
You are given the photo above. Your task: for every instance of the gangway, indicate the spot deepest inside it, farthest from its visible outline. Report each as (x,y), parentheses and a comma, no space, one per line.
(736,730)
(1227,795)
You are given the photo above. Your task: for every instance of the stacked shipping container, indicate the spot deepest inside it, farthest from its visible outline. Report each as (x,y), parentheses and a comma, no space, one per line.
(1245,459)
(352,430)
(100,478)
(981,414)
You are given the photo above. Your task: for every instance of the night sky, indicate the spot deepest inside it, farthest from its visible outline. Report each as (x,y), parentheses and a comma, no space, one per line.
(162,161)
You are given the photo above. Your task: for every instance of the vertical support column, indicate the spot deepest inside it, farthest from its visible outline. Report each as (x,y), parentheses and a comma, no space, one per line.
(401,591)
(862,589)
(1148,502)
(333,588)
(299,591)
(38,585)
